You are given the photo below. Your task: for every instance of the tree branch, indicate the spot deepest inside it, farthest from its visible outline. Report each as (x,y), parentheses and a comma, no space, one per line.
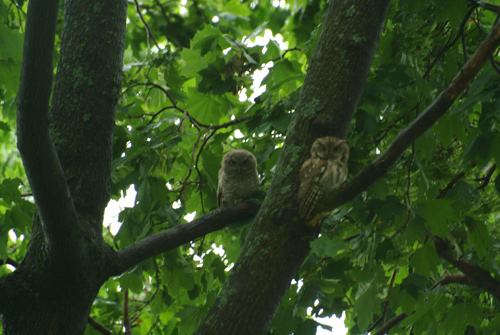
(97,326)
(480,276)
(457,278)
(43,169)
(394,321)
(181,234)
(432,113)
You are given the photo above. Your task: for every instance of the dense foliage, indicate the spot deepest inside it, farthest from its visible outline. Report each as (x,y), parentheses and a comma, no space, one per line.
(187,98)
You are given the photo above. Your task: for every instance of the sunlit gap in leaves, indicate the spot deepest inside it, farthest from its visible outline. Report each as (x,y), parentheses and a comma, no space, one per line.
(337,324)
(259,75)
(218,250)
(183,10)
(280,4)
(115,207)
(13,245)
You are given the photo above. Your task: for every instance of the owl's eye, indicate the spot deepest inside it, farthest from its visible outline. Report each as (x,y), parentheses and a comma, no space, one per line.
(232,162)
(245,162)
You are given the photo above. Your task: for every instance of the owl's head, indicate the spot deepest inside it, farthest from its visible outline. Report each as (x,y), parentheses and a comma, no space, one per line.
(330,147)
(239,161)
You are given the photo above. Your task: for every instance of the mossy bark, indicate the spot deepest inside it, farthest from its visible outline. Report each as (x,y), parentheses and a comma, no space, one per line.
(52,290)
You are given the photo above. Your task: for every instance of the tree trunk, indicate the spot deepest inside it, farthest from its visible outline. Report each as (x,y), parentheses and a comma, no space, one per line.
(279,241)
(52,290)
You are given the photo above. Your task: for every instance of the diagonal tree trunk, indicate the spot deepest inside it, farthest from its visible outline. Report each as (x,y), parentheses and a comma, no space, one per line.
(279,242)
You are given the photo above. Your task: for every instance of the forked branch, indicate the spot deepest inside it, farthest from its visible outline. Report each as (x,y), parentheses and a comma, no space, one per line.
(43,169)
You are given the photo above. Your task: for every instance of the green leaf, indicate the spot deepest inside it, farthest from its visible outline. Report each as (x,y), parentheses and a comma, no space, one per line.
(425,260)
(131,281)
(193,62)
(367,304)
(11,44)
(479,238)
(206,40)
(437,213)
(325,247)
(452,10)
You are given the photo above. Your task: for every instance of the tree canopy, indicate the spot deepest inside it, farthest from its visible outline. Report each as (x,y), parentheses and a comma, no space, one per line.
(411,242)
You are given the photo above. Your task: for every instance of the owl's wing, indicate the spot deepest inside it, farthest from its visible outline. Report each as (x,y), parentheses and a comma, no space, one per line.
(219,197)
(312,195)
(310,191)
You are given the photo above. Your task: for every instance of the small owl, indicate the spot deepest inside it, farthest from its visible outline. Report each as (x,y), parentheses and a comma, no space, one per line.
(322,173)
(238,178)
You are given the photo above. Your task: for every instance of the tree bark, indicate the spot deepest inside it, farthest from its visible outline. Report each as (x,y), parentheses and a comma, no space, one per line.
(52,290)
(279,241)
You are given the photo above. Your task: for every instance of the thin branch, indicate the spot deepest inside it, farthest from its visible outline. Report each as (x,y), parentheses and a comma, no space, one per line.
(458,278)
(450,185)
(40,160)
(169,23)
(198,170)
(126,318)
(179,235)
(487,178)
(97,326)
(284,53)
(9,261)
(394,321)
(386,307)
(406,137)
(150,34)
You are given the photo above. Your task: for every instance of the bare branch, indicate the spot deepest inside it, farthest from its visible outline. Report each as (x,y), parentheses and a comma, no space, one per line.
(181,234)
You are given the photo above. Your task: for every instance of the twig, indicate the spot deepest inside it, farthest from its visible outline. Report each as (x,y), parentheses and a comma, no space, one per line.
(126,318)
(389,128)
(198,170)
(386,307)
(487,178)
(284,53)
(169,23)
(449,44)
(150,34)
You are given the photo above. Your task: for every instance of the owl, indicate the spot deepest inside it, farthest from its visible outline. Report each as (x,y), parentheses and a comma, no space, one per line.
(322,173)
(238,178)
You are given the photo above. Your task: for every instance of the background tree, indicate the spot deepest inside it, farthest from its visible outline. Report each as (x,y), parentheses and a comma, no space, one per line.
(409,247)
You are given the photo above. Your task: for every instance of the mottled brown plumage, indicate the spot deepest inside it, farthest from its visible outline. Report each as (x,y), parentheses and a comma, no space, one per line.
(322,173)
(238,178)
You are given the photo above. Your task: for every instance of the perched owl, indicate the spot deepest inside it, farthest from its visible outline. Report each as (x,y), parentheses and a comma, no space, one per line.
(322,173)
(238,177)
